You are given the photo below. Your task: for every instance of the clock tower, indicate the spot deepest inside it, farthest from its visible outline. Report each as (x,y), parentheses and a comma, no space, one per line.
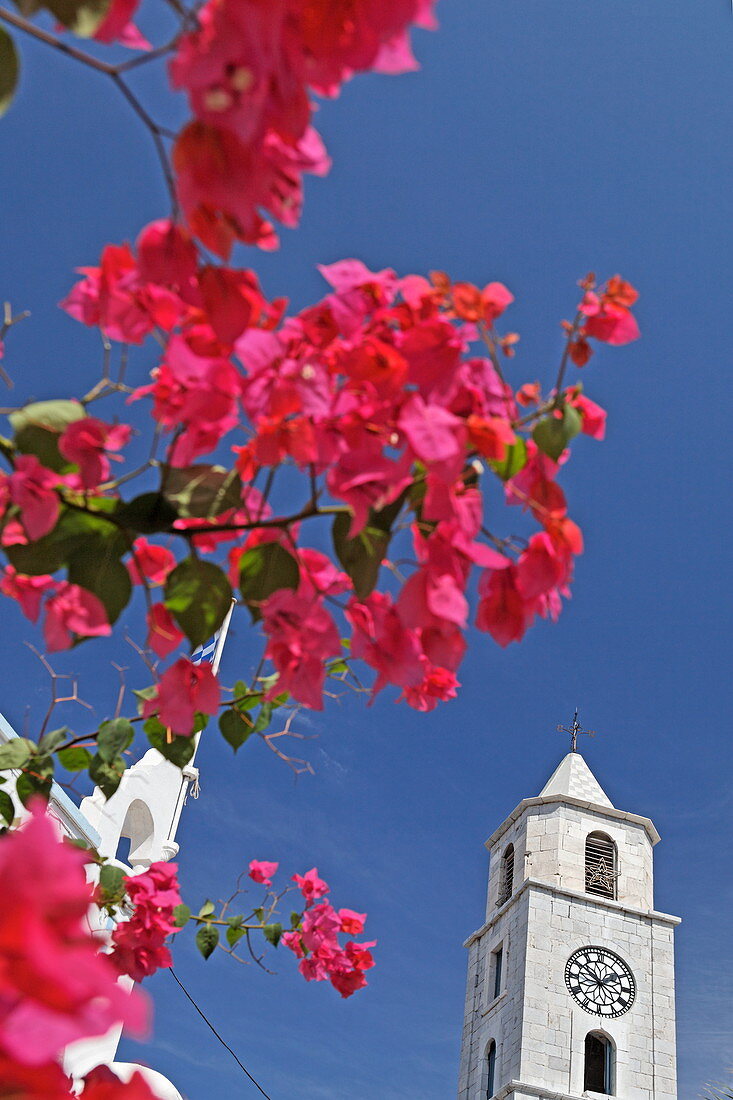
(571,976)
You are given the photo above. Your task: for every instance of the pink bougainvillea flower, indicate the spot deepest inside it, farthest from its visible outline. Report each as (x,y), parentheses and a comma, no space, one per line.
(117,26)
(592,415)
(260,870)
(88,443)
(139,943)
(108,296)
(32,489)
(71,613)
(381,638)
(184,689)
(103,1084)
(301,635)
(55,985)
(166,255)
(438,685)
(22,1082)
(163,634)
(352,923)
(223,183)
(28,591)
(150,562)
(502,610)
(434,433)
(310,885)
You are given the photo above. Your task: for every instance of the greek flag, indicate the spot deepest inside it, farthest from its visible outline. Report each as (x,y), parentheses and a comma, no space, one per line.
(206,652)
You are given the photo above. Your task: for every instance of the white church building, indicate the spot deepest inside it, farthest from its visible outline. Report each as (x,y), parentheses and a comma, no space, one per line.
(570,989)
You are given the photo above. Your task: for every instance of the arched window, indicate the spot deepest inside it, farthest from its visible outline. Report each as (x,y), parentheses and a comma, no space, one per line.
(599,1063)
(601,871)
(490,1069)
(506,880)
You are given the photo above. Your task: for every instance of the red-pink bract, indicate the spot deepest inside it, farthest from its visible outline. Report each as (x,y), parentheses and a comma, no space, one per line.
(55,985)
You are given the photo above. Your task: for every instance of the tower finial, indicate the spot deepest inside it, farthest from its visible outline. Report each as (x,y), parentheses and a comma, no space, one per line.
(574,731)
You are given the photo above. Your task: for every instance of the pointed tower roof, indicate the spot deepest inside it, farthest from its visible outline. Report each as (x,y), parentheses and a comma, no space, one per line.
(574,779)
(573,782)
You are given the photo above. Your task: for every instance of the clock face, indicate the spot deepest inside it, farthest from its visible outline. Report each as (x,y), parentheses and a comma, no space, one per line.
(600,981)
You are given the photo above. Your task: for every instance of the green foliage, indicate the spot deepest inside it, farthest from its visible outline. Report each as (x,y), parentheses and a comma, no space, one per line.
(15,753)
(207,909)
(198,595)
(51,740)
(178,750)
(201,491)
(362,556)
(37,428)
(235,931)
(107,773)
(263,570)
(113,738)
(105,576)
(181,915)
(514,460)
(9,70)
(74,759)
(7,808)
(112,883)
(147,514)
(272,933)
(553,433)
(207,939)
(35,784)
(83,17)
(235,727)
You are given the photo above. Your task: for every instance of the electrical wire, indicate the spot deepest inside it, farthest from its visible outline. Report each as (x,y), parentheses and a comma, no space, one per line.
(209,1024)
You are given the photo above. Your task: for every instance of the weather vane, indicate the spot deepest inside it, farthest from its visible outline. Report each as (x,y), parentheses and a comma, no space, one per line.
(574,731)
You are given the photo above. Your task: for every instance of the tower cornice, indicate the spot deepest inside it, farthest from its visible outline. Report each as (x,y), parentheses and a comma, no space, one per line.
(653,915)
(570,800)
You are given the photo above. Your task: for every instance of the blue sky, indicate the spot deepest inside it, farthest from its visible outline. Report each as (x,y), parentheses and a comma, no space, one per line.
(539,141)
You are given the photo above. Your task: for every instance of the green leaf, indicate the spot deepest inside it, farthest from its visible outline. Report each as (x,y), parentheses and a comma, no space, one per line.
(272,933)
(235,727)
(234,932)
(179,750)
(207,909)
(295,919)
(181,915)
(201,491)
(74,759)
(553,433)
(514,460)
(52,739)
(107,774)
(15,753)
(75,533)
(207,939)
(198,595)
(105,576)
(54,415)
(266,569)
(363,555)
(30,786)
(113,738)
(7,808)
(111,879)
(149,514)
(263,718)
(9,70)
(83,17)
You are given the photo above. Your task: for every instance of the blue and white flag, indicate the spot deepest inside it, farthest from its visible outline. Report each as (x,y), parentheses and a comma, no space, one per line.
(206,652)
(210,652)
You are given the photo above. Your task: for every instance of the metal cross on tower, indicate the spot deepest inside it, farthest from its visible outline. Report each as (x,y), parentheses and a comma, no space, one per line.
(574,732)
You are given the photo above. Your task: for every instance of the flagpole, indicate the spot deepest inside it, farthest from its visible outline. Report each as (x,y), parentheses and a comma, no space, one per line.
(189,774)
